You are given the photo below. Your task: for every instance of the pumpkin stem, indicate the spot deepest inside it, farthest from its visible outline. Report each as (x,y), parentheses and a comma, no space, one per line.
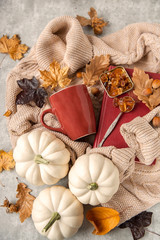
(55,216)
(38,159)
(92,186)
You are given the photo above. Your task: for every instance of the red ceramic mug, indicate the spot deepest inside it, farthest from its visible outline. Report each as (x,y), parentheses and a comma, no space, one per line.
(74,110)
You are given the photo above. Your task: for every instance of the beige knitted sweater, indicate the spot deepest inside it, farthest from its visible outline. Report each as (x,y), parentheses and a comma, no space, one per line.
(136,45)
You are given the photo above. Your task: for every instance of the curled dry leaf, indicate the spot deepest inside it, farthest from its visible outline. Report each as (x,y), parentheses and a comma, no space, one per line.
(103,219)
(24,204)
(6,160)
(55,76)
(95,22)
(142,87)
(13,47)
(31,92)
(138,223)
(95,68)
(10,207)
(7,113)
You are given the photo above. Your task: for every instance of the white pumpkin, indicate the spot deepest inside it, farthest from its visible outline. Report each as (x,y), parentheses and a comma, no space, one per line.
(41,157)
(93,179)
(56,213)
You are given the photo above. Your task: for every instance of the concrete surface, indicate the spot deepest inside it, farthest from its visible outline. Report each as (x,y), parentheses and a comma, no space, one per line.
(28,18)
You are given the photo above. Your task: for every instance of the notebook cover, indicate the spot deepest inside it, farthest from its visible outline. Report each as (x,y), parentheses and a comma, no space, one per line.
(109,112)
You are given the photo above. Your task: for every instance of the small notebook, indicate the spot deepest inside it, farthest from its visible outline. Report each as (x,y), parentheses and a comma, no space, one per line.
(109,112)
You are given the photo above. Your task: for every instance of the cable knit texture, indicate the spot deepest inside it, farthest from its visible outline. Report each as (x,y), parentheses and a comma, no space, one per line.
(136,45)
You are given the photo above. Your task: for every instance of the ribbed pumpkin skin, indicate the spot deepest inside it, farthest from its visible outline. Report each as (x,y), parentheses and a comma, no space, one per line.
(57,199)
(97,170)
(45,144)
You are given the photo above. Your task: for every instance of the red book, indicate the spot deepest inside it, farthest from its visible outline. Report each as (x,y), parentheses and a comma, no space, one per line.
(109,112)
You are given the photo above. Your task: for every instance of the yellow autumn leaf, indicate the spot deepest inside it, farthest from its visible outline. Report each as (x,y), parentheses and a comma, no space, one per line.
(48,79)
(6,160)
(103,219)
(55,76)
(7,113)
(13,47)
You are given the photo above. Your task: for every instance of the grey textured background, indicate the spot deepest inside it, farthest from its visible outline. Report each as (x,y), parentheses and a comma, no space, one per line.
(28,18)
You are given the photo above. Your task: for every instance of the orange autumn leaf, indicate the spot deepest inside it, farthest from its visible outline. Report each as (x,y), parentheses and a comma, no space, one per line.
(7,113)
(13,47)
(6,160)
(103,219)
(95,68)
(55,76)
(95,22)
(24,204)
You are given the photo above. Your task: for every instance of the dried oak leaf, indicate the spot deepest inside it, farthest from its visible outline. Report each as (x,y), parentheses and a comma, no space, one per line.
(13,47)
(142,81)
(95,22)
(103,219)
(10,206)
(154,99)
(6,160)
(7,113)
(24,204)
(84,21)
(31,92)
(25,201)
(55,76)
(95,68)
(138,223)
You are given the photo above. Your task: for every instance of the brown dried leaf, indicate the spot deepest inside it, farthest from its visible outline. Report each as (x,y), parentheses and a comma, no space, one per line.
(95,22)
(6,160)
(23,205)
(84,21)
(55,76)
(138,224)
(25,201)
(154,99)
(98,24)
(95,68)
(10,206)
(92,13)
(7,113)
(13,47)
(142,81)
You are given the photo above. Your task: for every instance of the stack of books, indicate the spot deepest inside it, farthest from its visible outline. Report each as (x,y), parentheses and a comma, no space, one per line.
(109,112)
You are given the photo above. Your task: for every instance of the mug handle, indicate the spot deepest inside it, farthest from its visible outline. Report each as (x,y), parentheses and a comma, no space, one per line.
(49,127)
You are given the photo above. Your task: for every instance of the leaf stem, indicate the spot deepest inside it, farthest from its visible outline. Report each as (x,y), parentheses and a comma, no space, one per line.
(39,160)
(92,186)
(55,216)
(152,232)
